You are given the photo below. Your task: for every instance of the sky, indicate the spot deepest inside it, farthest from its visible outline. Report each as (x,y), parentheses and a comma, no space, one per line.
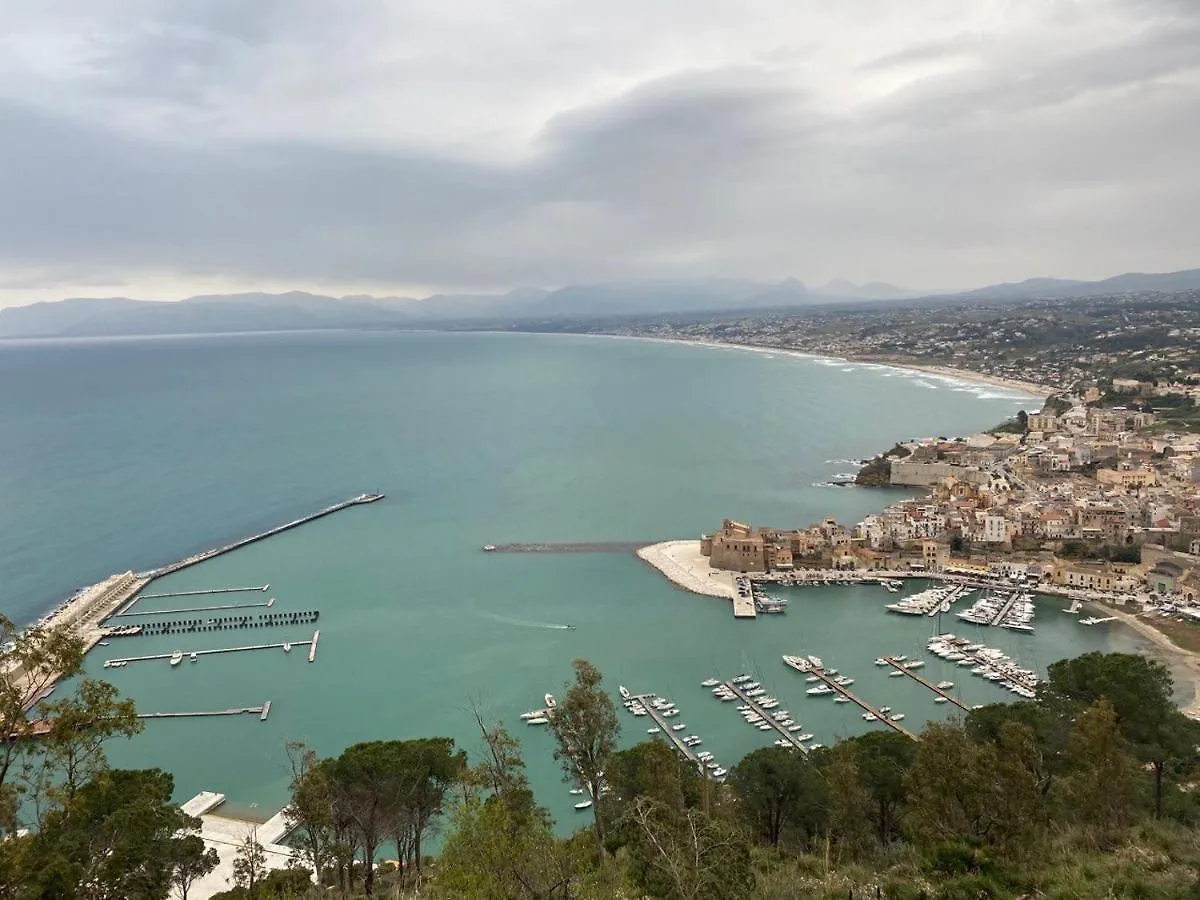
(157,148)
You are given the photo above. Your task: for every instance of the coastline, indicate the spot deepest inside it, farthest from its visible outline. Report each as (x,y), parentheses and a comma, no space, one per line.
(946,372)
(1178,656)
(683,565)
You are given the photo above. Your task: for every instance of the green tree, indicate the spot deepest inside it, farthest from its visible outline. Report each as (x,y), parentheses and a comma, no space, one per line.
(250,864)
(121,838)
(851,810)
(32,660)
(1139,690)
(654,769)
(586,730)
(190,862)
(366,781)
(883,759)
(778,787)
(73,751)
(428,767)
(1101,789)
(688,855)
(310,813)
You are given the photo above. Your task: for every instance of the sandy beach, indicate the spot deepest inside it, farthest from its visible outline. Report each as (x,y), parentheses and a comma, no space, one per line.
(682,563)
(1027,387)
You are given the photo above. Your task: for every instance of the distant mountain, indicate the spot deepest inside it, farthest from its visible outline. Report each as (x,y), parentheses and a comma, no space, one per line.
(298,310)
(872,290)
(1063,288)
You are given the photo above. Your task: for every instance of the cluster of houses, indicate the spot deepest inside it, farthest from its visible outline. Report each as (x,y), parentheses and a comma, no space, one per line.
(1081,499)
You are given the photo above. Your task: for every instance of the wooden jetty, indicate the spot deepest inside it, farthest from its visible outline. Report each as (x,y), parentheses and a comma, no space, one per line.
(933,687)
(262,711)
(228,590)
(804,667)
(665,727)
(190,609)
(311,644)
(767,717)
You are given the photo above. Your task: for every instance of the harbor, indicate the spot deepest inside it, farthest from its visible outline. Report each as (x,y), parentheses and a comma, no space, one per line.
(987,662)
(1012,610)
(811,667)
(660,711)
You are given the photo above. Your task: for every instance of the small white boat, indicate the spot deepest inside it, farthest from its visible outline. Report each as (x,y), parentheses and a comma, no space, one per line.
(576,791)
(819,691)
(804,737)
(880,661)
(914,664)
(885,709)
(940,700)
(709,682)
(550,701)
(764,727)
(896,674)
(537,720)
(193,657)
(897,717)
(870,717)
(107,663)
(624,692)
(532,714)
(583,804)
(719,773)
(287,648)
(653,731)
(841,699)
(102,644)
(176,657)
(678,727)
(945,685)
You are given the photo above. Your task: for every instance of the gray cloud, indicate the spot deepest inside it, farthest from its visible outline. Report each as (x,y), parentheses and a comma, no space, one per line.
(185,148)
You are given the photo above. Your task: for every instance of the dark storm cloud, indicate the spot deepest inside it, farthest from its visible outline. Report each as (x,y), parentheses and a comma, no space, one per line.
(956,159)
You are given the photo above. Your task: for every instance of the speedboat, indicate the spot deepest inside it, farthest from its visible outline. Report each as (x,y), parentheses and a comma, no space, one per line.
(533,714)
(537,720)
(804,737)
(819,690)
(764,727)
(287,648)
(719,773)
(885,709)
(176,657)
(896,674)
(880,661)
(625,695)
(193,657)
(914,664)
(583,804)
(940,700)
(870,717)
(550,701)
(709,682)
(945,685)
(576,791)
(896,717)
(655,730)
(678,727)
(841,699)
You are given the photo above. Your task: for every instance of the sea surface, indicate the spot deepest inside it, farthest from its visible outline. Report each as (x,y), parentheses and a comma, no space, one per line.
(126,454)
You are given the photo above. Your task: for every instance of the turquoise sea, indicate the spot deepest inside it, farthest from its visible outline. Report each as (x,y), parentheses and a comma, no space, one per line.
(122,454)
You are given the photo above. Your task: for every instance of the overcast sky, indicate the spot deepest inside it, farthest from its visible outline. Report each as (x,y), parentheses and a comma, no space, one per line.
(158,148)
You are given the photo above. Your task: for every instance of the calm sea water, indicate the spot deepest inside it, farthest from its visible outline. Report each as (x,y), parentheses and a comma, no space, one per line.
(129,453)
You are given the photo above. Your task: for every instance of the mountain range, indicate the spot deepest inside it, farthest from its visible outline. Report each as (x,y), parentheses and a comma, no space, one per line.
(298,310)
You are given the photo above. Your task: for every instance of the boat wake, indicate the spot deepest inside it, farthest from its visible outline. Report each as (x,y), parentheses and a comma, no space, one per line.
(525,623)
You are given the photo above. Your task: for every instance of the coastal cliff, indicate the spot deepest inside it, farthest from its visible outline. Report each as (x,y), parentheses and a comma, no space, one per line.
(878,471)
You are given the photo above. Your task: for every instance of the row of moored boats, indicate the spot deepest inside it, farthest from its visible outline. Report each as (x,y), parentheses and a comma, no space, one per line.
(987,662)
(1012,610)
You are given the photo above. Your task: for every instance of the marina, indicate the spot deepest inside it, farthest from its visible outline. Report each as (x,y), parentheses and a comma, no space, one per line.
(1012,610)
(226,623)
(118,662)
(929,602)
(941,692)
(986,662)
(812,667)
(661,711)
(766,715)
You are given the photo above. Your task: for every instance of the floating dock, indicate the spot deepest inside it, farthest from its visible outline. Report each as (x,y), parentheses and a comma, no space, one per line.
(767,717)
(190,609)
(311,644)
(807,669)
(312,648)
(197,558)
(933,687)
(229,590)
(262,711)
(665,727)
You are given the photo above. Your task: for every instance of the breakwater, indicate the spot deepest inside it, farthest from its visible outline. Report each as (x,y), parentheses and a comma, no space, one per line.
(581,547)
(197,558)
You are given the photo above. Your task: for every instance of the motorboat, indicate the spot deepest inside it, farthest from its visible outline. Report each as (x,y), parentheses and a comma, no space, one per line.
(550,701)
(880,661)
(287,648)
(896,717)
(709,682)
(819,690)
(945,685)
(625,695)
(804,737)
(940,700)
(176,657)
(896,674)
(870,717)
(537,720)
(841,699)
(678,727)
(533,714)
(576,791)
(583,804)
(193,657)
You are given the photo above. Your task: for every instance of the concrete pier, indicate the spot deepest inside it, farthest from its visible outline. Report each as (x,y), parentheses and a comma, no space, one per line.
(807,668)
(933,687)
(312,648)
(767,717)
(579,547)
(229,590)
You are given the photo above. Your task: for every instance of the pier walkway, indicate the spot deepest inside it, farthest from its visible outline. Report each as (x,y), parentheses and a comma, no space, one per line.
(567,547)
(197,558)
(311,644)
(229,590)
(665,727)
(1004,609)
(933,687)
(190,609)
(263,711)
(767,717)
(806,668)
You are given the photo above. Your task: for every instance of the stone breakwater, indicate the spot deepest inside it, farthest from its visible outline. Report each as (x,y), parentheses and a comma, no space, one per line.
(683,564)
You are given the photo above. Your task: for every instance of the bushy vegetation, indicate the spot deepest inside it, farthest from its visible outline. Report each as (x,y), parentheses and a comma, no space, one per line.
(1087,791)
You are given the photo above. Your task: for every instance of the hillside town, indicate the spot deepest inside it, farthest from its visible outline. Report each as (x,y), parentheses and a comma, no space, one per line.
(1077,495)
